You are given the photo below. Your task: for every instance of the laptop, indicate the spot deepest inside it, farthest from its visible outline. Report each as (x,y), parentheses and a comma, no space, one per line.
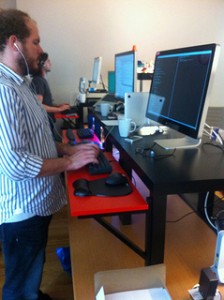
(135,104)
(135,107)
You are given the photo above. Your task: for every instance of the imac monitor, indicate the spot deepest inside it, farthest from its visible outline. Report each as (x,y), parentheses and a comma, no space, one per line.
(125,73)
(178,92)
(97,63)
(125,78)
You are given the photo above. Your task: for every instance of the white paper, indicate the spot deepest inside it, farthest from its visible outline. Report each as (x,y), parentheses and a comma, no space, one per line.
(100,295)
(147,294)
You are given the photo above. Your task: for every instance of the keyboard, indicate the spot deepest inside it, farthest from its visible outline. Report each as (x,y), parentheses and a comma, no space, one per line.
(101,168)
(71,111)
(85,133)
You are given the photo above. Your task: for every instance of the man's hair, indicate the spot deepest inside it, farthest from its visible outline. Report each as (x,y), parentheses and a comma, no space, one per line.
(13,22)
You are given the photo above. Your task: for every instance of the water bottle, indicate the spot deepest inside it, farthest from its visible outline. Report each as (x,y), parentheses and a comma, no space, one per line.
(82,85)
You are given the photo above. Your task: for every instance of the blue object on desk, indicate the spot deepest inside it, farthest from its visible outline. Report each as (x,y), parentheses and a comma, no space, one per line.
(95,126)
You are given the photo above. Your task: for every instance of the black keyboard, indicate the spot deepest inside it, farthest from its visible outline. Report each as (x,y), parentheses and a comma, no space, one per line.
(101,168)
(71,111)
(85,133)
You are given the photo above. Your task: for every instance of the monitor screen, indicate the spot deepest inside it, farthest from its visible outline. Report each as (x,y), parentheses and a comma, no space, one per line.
(179,88)
(125,73)
(97,63)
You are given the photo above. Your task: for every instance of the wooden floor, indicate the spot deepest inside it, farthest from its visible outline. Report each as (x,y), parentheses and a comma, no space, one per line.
(190,246)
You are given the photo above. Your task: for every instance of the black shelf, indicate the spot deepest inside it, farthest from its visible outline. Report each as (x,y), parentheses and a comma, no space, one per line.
(145,76)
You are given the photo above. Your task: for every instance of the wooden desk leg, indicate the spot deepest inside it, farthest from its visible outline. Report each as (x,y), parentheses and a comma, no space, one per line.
(155,228)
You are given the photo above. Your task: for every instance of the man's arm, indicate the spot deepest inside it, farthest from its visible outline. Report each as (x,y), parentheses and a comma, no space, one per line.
(74,158)
(55,108)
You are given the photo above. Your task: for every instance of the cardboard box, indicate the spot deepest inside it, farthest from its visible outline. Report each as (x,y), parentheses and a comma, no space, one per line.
(138,282)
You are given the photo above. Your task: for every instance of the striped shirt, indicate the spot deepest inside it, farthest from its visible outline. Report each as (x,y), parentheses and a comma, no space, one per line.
(25,140)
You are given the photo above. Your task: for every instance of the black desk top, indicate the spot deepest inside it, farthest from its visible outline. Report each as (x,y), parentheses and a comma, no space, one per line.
(187,170)
(192,170)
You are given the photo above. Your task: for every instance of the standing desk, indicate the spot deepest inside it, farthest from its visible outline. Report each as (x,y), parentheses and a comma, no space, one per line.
(99,206)
(187,171)
(71,121)
(93,206)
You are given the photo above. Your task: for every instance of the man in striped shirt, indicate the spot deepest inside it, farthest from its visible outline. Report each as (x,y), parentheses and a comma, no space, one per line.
(30,162)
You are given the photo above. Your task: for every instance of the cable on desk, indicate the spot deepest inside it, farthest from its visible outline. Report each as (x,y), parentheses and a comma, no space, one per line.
(105,138)
(181,218)
(217,217)
(102,81)
(214,145)
(213,133)
(206,211)
(154,153)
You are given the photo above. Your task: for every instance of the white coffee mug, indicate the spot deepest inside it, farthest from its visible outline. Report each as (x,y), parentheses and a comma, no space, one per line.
(125,126)
(105,109)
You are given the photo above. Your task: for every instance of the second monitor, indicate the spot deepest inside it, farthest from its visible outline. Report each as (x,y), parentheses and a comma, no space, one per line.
(125,64)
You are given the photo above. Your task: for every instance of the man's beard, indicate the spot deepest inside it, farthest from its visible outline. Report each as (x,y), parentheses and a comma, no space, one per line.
(25,67)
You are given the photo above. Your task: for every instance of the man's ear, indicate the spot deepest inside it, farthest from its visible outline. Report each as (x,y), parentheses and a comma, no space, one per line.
(13,43)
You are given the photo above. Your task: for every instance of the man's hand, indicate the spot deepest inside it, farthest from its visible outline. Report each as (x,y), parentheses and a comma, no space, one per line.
(63,107)
(83,154)
(74,157)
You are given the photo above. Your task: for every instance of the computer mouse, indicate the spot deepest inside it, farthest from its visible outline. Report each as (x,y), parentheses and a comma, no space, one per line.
(81,187)
(116,179)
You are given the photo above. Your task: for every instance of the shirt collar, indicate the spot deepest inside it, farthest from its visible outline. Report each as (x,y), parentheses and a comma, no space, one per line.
(11,74)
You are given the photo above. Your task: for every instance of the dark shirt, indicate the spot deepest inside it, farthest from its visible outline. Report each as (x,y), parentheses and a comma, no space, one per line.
(41,87)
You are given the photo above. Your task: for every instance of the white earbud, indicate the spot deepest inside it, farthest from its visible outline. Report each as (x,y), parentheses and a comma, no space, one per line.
(16,47)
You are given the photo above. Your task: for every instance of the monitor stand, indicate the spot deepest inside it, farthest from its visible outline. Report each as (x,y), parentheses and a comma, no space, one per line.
(183,142)
(150,130)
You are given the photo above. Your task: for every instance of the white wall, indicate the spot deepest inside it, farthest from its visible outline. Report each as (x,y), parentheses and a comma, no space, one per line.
(73,32)
(5,4)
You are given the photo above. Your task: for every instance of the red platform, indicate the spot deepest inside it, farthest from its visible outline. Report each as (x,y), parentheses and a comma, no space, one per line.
(101,205)
(64,116)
